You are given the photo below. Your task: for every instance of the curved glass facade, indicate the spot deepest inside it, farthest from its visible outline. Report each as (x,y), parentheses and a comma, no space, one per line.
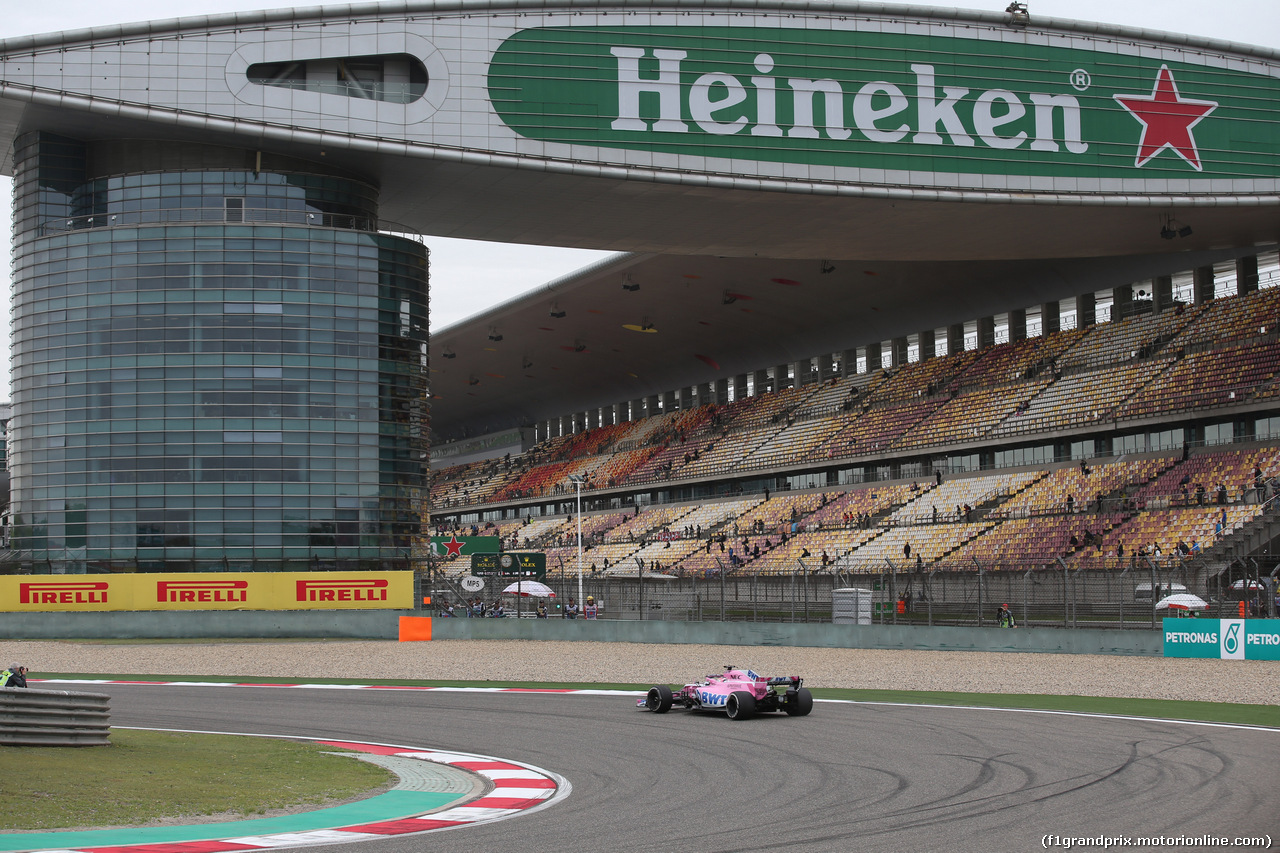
(213,368)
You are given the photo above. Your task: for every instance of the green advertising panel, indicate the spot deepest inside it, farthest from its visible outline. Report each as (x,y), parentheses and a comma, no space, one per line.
(1192,638)
(1228,639)
(509,565)
(1262,639)
(450,547)
(885,101)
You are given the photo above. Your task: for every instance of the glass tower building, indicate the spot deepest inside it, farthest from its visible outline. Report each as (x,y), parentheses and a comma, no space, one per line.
(219,363)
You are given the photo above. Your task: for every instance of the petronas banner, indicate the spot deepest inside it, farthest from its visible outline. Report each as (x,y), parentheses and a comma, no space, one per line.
(1227,639)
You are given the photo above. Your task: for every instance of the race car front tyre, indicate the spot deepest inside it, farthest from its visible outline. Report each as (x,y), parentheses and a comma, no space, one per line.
(799,702)
(659,699)
(741,705)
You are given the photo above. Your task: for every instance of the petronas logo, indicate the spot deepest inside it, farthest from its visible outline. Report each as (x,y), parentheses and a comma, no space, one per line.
(1231,639)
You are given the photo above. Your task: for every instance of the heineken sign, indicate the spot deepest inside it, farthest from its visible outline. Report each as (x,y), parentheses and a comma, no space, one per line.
(890,103)
(451,547)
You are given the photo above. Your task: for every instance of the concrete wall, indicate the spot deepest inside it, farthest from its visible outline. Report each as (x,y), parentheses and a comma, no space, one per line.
(384,625)
(1055,640)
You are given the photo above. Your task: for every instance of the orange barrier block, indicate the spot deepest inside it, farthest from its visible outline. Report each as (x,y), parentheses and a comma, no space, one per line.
(415,628)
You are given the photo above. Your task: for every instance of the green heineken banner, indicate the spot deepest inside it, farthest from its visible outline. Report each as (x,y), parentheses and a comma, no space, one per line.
(450,547)
(890,101)
(1228,639)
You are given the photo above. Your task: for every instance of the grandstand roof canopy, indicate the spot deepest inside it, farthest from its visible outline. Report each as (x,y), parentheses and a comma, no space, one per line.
(946,165)
(713,317)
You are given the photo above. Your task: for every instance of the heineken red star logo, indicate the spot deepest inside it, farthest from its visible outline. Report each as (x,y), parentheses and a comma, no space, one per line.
(1167,119)
(454,546)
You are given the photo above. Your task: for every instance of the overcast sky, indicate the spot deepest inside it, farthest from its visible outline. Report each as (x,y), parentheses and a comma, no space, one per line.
(467,277)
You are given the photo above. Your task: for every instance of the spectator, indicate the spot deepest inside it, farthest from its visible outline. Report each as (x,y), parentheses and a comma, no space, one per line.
(571,609)
(1004,617)
(14,676)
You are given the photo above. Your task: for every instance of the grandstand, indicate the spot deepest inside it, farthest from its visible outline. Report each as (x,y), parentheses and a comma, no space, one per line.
(827,340)
(1089,447)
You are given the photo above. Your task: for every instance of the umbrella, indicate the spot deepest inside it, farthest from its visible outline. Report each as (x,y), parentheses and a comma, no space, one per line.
(536,589)
(1247,585)
(1182,601)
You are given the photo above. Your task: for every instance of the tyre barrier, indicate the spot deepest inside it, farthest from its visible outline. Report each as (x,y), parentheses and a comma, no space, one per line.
(53,717)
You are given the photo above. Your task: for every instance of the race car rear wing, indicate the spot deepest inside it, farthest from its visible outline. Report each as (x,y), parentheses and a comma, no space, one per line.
(793,680)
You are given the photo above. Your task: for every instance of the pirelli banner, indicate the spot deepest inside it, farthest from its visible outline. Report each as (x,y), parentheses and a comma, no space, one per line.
(221,591)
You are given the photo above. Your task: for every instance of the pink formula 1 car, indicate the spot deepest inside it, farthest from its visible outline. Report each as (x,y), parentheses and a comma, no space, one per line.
(740,693)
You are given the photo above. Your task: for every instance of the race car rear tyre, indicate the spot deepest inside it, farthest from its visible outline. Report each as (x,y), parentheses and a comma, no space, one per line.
(659,699)
(799,702)
(741,705)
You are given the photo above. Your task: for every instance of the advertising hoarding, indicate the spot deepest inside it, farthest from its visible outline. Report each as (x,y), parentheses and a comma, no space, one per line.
(221,591)
(1226,639)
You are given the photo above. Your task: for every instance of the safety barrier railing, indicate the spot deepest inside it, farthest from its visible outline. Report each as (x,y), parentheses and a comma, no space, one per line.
(31,717)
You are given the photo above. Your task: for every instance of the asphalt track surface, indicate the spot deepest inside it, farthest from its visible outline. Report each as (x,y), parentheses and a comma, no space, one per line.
(847,778)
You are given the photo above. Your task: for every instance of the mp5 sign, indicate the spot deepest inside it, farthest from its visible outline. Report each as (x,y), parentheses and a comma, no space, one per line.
(1228,639)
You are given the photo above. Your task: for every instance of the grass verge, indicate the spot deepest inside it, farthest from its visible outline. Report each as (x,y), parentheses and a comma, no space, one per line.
(1212,712)
(143,777)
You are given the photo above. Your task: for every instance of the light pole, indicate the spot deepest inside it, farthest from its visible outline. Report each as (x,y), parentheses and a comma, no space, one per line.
(578,480)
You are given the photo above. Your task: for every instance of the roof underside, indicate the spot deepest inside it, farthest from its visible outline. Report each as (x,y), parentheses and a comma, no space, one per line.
(715,317)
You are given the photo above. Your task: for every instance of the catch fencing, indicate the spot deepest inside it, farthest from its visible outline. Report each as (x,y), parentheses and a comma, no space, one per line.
(1093,595)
